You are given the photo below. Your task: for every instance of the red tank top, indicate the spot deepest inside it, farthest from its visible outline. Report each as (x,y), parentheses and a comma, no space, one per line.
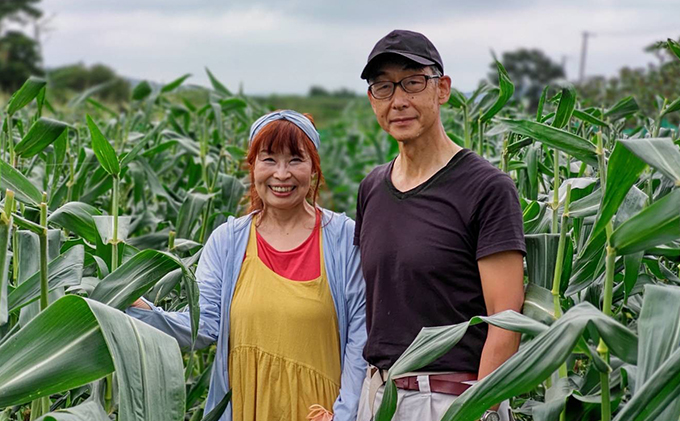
(303,263)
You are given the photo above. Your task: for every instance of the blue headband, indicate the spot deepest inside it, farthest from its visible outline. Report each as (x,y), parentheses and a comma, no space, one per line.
(289,115)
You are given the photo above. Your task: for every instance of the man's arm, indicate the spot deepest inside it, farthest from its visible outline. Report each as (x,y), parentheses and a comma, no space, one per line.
(502,276)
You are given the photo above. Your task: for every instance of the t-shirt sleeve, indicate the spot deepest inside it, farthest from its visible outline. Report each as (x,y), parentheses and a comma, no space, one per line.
(499,218)
(359,215)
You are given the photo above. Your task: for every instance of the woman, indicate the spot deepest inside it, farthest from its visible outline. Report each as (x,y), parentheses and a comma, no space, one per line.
(281,290)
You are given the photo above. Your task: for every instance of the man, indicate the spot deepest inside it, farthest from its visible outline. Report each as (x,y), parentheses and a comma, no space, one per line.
(440,234)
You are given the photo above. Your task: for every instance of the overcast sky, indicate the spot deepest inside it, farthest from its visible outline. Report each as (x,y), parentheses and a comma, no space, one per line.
(286,46)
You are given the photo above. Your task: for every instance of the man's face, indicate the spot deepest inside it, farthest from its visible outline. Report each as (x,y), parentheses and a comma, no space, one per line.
(408,116)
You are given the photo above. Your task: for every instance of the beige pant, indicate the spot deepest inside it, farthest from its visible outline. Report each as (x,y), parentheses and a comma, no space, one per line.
(413,405)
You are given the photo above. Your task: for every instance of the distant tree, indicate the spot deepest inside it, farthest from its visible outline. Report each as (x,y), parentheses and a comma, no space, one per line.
(19,54)
(78,77)
(530,71)
(645,84)
(318,91)
(344,93)
(18,11)
(19,59)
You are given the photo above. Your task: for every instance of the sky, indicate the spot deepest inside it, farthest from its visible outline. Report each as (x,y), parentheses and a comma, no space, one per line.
(287,46)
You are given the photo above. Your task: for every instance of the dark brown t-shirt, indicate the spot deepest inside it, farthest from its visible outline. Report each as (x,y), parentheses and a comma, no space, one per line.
(419,252)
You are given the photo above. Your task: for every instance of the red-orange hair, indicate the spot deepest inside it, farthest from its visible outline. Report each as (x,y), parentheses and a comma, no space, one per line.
(276,137)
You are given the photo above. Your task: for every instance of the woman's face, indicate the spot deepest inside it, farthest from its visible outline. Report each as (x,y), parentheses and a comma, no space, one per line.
(282,180)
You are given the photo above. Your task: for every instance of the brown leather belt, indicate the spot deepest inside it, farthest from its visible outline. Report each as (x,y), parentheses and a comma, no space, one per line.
(449,383)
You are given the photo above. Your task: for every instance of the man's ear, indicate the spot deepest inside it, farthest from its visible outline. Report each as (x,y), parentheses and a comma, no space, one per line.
(371,99)
(444,89)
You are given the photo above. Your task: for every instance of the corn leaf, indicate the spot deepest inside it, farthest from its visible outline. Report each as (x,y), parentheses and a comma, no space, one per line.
(622,109)
(133,278)
(506,89)
(217,85)
(88,411)
(65,270)
(674,47)
(141,91)
(565,141)
(103,149)
(538,359)
(566,106)
(81,341)
(76,217)
(623,170)
(28,91)
(5,230)
(660,153)
(658,224)
(24,190)
(658,370)
(175,83)
(673,107)
(41,134)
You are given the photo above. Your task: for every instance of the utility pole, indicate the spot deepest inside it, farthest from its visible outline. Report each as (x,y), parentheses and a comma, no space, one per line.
(584,49)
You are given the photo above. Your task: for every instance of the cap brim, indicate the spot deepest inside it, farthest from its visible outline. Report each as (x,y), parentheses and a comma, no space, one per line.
(412,57)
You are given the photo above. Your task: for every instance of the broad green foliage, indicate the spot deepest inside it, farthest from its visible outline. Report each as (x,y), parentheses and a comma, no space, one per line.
(131,196)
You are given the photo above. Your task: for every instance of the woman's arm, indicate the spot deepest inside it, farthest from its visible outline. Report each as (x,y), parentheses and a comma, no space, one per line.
(209,276)
(354,369)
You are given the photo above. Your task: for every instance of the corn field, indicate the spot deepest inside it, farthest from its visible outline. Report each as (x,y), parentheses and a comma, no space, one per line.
(103,206)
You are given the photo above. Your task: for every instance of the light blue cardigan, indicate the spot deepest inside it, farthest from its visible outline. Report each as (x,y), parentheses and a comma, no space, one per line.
(217,273)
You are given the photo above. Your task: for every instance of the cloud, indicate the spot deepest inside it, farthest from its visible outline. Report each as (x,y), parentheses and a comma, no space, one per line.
(288,46)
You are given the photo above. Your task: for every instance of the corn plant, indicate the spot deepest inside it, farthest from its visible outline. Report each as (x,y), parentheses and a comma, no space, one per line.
(102,206)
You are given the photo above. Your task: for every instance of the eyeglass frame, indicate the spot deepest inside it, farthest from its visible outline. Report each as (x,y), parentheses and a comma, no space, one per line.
(394,85)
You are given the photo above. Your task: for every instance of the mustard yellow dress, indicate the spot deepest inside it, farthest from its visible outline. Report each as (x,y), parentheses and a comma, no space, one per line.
(284,350)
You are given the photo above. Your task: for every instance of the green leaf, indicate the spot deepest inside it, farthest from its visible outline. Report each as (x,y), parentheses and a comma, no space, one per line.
(65,270)
(175,83)
(219,409)
(655,225)
(506,89)
(189,213)
(105,153)
(538,304)
(5,230)
(77,218)
(589,118)
(28,91)
(541,255)
(623,170)
(25,191)
(565,141)
(538,359)
(77,100)
(133,278)
(457,98)
(41,134)
(658,370)
(81,341)
(104,225)
(217,85)
(622,109)
(88,411)
(566,106)
(660,153)
(673,107)
(674,47)
(631,265)
(141,91)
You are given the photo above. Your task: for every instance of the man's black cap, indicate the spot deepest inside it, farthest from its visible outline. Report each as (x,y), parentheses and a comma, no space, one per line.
(412,45)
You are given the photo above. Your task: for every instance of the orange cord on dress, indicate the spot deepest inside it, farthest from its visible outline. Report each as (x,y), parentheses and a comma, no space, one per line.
(319,413)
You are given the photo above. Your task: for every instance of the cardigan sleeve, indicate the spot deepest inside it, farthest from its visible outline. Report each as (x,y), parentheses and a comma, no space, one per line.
(354,369)
(209,276)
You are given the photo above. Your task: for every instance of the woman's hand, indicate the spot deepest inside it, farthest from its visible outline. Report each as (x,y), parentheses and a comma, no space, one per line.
(140,304)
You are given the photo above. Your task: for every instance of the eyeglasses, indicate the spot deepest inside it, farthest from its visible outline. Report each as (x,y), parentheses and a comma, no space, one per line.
(411,84)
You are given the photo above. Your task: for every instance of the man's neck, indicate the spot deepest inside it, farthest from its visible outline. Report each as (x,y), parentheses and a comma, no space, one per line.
(420,158)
